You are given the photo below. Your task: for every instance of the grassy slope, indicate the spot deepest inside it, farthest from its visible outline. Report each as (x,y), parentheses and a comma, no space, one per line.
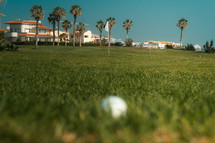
(54,94)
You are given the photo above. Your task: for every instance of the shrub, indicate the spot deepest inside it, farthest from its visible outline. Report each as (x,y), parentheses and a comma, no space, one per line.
(6,45)
(169,47)
(118,44)
(209,47)
(190,47)
(129,42)
(61,43)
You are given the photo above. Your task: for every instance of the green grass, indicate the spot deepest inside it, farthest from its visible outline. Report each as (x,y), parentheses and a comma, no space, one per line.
(53,95)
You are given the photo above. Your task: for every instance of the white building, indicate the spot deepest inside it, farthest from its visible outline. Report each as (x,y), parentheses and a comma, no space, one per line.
(136,44)
(158,44)
(197,47)
(56,34)
(86,36)
(25,31)
(154,45)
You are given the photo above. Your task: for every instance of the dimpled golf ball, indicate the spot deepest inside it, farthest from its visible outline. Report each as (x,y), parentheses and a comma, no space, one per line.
(115,105)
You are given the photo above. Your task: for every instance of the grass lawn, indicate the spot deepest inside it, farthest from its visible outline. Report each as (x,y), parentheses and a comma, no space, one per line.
(53,95)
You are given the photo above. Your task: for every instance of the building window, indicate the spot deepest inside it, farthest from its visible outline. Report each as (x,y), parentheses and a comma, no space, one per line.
(27,30)
(42,31)
(86,36)
(11,29)
(15,30)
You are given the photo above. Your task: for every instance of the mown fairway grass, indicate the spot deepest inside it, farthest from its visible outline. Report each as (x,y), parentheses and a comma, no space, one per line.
(52,95)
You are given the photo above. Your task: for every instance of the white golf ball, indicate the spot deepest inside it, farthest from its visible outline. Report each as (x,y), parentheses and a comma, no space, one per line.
(115,105)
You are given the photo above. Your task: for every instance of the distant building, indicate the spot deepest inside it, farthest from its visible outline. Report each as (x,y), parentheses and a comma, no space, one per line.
(106,39)
(136,44)
(95,38)
(157,44)
(25,31)
(56,34)
(197,47)
(5,30)
(87,37)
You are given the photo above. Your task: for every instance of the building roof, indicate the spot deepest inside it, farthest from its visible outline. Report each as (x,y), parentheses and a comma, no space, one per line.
(5,30)
(2,14)
(43,27)
(158,42)
(21,21)
(33,35)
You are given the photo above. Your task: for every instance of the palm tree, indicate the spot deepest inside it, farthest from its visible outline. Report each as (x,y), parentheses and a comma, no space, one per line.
(75,11)
(80,29)
(127,26)
(63,37)
(111,21)
(52,19)
(182,24)
(100,26)
(66,24)
(37,13)
(59,13)
(3,1)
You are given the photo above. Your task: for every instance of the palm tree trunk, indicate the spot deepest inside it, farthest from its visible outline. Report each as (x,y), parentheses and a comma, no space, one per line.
(36,45)
(127,36)
(66,39)
(100,38)
(58,33)
(80,39)
(74,32)
(53,34)
(181,37)
(109,37)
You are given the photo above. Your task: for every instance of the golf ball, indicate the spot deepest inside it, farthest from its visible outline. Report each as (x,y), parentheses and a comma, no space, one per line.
(115,105)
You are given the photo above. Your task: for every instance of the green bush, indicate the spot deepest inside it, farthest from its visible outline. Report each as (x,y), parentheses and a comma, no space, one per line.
(118,44)
(6,45)
(209,47)
(190,47)
(169,47)
(129,42)
(61,43)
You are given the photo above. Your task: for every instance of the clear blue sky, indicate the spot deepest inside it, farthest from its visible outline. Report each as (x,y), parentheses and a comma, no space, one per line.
(153,19)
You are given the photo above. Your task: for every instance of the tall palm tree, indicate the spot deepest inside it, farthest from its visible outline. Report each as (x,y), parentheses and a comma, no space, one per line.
(66,24)
(127,26)
(182,24)
(37,13)
(111,21)
(59,13)
(75,11)
(100,26)
(52,19)
(80,29)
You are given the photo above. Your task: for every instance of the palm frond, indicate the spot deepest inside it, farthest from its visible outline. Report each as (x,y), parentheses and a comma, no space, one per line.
(37,12)
(66,24)
(100,25)
(76,10)
(59,13)
(182,23)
